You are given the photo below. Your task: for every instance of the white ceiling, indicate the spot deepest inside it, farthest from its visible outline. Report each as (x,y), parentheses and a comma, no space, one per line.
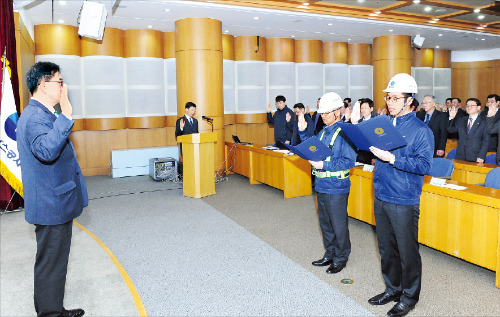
(238,21)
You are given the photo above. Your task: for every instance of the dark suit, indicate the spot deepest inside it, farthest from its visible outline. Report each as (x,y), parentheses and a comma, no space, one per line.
(493,135)
(493,127)
(438,123)
(54,193)
(310,129)
(188,127)
(318,122)
(472,144)
(460,113)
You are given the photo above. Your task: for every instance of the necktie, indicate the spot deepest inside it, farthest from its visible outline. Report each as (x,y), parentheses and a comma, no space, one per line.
(191,121)
(469,125)
(427,118)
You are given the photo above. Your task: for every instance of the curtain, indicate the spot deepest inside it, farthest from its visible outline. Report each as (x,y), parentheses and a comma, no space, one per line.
(8,39)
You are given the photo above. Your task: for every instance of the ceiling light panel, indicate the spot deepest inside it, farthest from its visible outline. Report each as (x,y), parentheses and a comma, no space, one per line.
(426,10)
(366,4)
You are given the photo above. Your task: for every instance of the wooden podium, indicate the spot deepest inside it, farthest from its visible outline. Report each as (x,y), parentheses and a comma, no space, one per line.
(198,164)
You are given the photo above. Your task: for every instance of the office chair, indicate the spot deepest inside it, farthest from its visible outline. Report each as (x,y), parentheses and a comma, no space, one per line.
(491,159)
(493,179)
(442,167)
(452,154)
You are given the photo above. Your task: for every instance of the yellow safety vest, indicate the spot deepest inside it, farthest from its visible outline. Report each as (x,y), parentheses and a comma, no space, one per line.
(339,174)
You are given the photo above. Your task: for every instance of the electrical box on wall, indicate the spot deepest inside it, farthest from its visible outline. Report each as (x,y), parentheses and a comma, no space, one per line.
(92,20)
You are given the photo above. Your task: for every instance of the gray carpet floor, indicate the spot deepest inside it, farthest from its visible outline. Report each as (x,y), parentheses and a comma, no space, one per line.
(244,251)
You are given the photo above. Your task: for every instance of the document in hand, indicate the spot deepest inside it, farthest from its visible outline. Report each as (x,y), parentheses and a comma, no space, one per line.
(378,132)
(311,149)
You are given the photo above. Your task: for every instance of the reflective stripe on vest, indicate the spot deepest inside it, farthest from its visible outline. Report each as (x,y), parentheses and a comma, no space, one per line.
(339,174)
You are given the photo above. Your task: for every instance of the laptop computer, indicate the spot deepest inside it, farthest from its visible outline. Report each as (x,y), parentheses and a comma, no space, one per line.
(237,141)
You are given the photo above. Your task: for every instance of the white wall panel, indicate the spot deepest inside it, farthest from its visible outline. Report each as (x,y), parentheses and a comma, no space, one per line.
(281,81)
(336,79)
(309,83)
(250,86)
(145,87)
(229,81)
(360,82)
(170,87)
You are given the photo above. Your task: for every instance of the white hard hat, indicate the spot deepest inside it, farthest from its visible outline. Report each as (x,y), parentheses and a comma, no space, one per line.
(403,83)
(329,102)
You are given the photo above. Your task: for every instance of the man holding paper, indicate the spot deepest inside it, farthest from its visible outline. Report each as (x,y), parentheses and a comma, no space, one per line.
(398,180)
(332,183)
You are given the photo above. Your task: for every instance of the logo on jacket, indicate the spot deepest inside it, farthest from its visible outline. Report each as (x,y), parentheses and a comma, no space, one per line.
(312,148)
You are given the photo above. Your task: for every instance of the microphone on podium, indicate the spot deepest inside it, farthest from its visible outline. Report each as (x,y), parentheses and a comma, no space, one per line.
(207,118)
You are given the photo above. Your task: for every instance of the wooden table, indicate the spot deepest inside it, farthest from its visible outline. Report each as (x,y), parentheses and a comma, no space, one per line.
(462,223)
(471,172)
(289,173)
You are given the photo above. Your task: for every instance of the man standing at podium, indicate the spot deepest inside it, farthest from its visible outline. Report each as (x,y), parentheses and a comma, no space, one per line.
(187,124)
(398,179)
(332,183)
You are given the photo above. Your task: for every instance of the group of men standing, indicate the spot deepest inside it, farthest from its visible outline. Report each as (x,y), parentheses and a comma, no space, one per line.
(398,181)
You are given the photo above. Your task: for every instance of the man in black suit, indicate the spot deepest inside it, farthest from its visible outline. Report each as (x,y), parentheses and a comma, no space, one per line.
(493,121)
(473,139)
(187,124)
(300,110)
(437,122)
(456,103)
(317,120)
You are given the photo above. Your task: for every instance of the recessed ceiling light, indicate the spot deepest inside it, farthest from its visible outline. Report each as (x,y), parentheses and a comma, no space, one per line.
(62,2)
(226,31)
(391,30)
(330,24)
(348,39)
(167,10)
(150,26)
(432,21)
(306,3)
(436,19)
(256,18)
(477,10)
(60,21)
(378,12)
(480,28)
(437,46)
(416,1)
(373,14)
(440,34)
(483,39)
(361,1)
(427,9)
(292,35)
(484,25)
(480,17)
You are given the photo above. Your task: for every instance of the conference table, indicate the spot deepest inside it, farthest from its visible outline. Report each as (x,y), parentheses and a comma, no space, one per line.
(462,223)
(289,173)
(471,172)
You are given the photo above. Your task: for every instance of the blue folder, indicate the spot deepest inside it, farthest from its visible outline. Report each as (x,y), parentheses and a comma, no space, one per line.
(378,132)
(311,149)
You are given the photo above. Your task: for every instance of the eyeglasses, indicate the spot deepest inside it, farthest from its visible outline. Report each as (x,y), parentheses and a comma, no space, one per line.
(470,106)
(427,103)
(61,82)
(392,99)
(326,113)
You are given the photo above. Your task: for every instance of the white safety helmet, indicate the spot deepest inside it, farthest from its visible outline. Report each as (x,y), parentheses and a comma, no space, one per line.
(329,102)
(403,83)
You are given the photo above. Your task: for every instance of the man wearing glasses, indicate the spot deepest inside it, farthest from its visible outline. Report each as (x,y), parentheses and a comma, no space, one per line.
(437,122)
(332,183)
(398,180)
(54,188)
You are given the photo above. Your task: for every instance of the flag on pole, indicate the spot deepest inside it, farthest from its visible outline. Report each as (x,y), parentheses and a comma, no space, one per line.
(10,165)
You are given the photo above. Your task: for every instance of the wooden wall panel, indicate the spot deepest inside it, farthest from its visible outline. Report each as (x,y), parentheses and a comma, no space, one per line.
(251,117)
(25,50)
(246,49)
(143,43)
(442,59)
(102,124)
(146,122)
(423,57)
(335,52)
(359,54)
(472,79)
(280,50)
(111,44)
(495,77)
(142,138)
(227,47)
(308,51)
(56,39)
(168,45)
(252,132)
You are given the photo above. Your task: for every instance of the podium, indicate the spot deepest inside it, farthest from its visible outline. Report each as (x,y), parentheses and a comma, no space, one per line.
(198,164)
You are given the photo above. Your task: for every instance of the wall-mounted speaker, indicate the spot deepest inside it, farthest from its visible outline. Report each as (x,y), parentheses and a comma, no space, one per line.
(92,20)
(418,41)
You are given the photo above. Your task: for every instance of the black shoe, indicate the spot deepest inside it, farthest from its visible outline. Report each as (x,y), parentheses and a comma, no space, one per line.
(73,312)
(335,268)
(384,298)
(400,309)
(322,262)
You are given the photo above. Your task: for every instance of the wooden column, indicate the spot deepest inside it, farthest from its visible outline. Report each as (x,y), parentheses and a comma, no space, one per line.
(280,50)
(423,57)
(359,54)
(335,52)
(198,53)
(442,59)
(308,51)
(391,55)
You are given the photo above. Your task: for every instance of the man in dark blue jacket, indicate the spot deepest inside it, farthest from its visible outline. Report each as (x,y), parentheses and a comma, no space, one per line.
(332,183)
(398,180)
(282,121)
(53,185)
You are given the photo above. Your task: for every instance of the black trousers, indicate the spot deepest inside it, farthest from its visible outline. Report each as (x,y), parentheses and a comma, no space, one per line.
(397,235)
(53,245)
(332,210)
